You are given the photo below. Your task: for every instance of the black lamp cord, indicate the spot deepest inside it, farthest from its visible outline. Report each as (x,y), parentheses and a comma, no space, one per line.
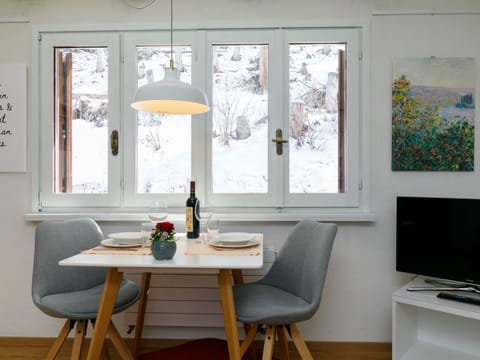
(171,35)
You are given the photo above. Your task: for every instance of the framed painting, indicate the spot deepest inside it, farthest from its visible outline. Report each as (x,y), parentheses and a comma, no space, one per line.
(433,113)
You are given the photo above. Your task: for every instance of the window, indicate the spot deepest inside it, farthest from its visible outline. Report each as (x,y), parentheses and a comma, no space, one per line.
(324,118)
(162,139)
(81,120)
(283,131)
(78,97)
(161,154)
(316,98)
(239,118)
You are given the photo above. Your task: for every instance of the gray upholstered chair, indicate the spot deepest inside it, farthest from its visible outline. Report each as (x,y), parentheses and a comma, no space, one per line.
(73,293)
(290,292)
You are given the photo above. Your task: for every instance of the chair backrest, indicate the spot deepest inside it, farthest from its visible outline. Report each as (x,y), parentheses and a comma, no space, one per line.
(301,264)
(56,240)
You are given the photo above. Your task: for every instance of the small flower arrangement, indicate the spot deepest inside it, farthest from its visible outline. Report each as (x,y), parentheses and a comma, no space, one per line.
(164,231)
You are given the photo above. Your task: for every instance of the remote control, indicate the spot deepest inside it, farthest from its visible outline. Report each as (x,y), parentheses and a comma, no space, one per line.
(458,297)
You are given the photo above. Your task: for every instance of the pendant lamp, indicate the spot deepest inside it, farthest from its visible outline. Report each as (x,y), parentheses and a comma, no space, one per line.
(170,95)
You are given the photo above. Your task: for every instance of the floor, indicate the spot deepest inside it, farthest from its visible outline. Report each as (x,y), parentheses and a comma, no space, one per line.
(37,348)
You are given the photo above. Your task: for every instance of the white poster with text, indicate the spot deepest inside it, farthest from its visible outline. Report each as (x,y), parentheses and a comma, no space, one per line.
(13,118)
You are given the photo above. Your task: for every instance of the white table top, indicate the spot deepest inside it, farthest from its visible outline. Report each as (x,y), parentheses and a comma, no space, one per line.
(180,260)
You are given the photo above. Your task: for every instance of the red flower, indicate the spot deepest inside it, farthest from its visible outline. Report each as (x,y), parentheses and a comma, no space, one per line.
(164,231)
(165,226)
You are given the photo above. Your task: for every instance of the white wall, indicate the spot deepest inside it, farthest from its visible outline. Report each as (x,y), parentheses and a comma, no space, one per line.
(356,304)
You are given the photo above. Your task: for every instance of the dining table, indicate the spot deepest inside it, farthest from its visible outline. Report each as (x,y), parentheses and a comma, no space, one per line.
(192,254)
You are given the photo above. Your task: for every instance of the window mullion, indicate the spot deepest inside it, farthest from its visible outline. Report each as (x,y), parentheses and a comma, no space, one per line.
(201,161)
(278,118)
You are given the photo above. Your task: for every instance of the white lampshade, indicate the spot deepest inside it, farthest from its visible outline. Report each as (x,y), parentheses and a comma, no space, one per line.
(170,96)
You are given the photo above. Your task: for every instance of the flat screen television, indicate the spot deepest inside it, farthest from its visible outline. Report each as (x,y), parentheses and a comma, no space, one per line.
(439,237)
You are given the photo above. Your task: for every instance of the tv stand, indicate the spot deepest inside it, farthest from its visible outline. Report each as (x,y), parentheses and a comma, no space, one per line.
(428,327)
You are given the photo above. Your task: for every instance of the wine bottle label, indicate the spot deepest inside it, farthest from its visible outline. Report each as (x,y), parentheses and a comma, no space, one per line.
(189,219)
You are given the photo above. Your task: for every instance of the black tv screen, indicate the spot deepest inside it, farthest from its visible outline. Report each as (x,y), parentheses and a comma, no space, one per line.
(439,237)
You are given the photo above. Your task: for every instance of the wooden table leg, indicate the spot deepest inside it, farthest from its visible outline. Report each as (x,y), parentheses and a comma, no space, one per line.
(229,317)
(238,280)
(107,303)
(142,305)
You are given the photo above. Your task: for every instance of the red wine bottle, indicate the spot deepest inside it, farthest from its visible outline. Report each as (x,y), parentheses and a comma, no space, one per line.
(192,214)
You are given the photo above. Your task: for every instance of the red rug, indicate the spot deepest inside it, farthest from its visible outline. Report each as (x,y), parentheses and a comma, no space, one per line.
(202,349)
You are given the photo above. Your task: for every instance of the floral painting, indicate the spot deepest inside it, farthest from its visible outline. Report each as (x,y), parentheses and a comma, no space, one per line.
(433,112)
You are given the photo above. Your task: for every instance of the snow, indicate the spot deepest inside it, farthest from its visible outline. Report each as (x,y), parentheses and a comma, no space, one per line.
(89,157)
(241,166)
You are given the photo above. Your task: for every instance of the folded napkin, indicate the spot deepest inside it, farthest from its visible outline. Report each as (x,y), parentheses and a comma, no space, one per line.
(140,250)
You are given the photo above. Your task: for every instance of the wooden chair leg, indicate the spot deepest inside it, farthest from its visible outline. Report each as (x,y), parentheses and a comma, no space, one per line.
(105,353)
(249,337)
(283,341)
(142,305)
(118,342)
(62,335)
(300,343)
(78,340)
(269,343)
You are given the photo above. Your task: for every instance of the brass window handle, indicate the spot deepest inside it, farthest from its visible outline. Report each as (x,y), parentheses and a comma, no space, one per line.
(279,141)
(114,142)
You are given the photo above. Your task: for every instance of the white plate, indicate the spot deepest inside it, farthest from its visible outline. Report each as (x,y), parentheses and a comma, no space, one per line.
(251,242)
(234,238)
(126,237)
(116,244)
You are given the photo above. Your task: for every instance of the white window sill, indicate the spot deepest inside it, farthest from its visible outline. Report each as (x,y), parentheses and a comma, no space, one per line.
(230,217)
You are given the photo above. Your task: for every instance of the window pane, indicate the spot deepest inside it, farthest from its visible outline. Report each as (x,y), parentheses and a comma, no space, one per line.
(81,120)
(163,142)
(316,118)
(240,119)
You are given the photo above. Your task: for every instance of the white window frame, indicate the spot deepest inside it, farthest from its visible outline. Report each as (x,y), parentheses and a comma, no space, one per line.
(145,38)
(48,41)
(122,84)
(273,198)
(353,118)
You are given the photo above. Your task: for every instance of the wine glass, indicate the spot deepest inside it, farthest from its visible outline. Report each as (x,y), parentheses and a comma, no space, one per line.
(204,219)
(158,211)
(213,229)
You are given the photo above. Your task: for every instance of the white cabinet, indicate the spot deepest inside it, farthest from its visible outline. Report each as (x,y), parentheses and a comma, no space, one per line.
(428,328)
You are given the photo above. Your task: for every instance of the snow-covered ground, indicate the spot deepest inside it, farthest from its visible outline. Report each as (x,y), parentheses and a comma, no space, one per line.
(163,153)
